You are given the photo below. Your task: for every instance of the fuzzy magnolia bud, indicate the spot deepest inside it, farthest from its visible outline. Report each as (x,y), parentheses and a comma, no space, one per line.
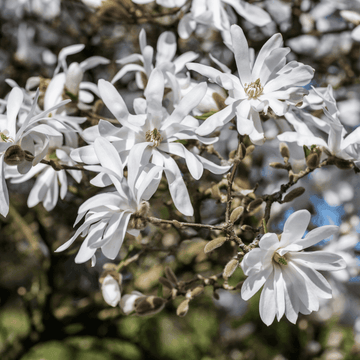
(165,282)
(230,267)
(277,165)
(170,275)
(149,305)
(294,194)
(14,155)
(143,208)
(254,204)
(183,308)
(214,244)
(312,161)
(219,101)
(127,302)
(284,151)
(197,291)
(343,164)
(250,149)
(236,213)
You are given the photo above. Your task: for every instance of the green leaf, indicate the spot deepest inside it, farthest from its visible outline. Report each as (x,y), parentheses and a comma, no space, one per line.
(205,116)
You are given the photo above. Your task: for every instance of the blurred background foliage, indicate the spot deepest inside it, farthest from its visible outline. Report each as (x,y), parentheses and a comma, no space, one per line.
(52,309)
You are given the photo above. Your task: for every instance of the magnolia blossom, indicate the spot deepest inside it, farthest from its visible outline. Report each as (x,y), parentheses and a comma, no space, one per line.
(269,83)
(107,214)
(69,83)
(46,187)
(110,289)
(291,281)
(29,137)
(164,60)
(127,302)
(152,134)
(337,141)
(354,18)
(220,15)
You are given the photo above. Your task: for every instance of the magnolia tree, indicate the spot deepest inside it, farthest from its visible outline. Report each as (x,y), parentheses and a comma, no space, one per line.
(214,147)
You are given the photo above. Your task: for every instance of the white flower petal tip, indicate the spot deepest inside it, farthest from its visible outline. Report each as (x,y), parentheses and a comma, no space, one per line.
(111,290)
(292,283)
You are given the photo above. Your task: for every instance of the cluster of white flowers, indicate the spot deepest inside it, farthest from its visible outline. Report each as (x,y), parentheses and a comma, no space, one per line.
(40,136)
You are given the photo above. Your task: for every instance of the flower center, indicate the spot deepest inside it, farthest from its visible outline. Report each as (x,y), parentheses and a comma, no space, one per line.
(4,137)
(254,89)
(154,136)
(280,259)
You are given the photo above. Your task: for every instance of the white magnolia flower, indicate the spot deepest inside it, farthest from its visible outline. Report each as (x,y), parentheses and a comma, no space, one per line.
(164,60)
(152,134)
(127,302)
(269,83)
(107,214)
(164,3)
(354,18)
(291,281)
(219,14)
(110,289)
(46,187)
(27,138)
(336,141)
(69,82)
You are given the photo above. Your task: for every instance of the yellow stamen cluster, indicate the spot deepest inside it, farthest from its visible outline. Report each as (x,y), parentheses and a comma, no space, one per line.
(254,89)
(279,259)
(154,137)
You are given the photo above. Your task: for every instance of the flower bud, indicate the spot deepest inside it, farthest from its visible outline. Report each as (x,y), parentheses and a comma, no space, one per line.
(183,308)
(294,194)
(230,268)
(312,161)
(236,213)
(170,275)
(127,302)
(277,165)
(14,155)
(110,289)
(254,204)
(149,305)
(343,164)
(143,208)
(165,282)
(214,244)
(284,151)
(250,149)
(197,291)
(74,76)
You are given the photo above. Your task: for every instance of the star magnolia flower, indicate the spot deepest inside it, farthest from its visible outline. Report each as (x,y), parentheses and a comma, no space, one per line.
(46,187)
(69,82)
(219,15)
(127,302)
(164,60)
(107,214)
(338,143)
(152,134)
(353,17)
(267,84)
(24,139)
(291,283)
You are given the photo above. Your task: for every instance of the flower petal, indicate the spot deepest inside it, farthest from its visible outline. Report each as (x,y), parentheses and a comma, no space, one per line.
(320,260)
(316,235)
(295,227)
(267,303)
(254,282)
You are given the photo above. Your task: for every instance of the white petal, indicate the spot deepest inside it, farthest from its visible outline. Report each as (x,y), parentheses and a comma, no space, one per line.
(320,260)
(4,194)
(268,240)
(166,47)
(267,303)
(316,235)
(254,282)
(108,156)
(110,290)
(295,227)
